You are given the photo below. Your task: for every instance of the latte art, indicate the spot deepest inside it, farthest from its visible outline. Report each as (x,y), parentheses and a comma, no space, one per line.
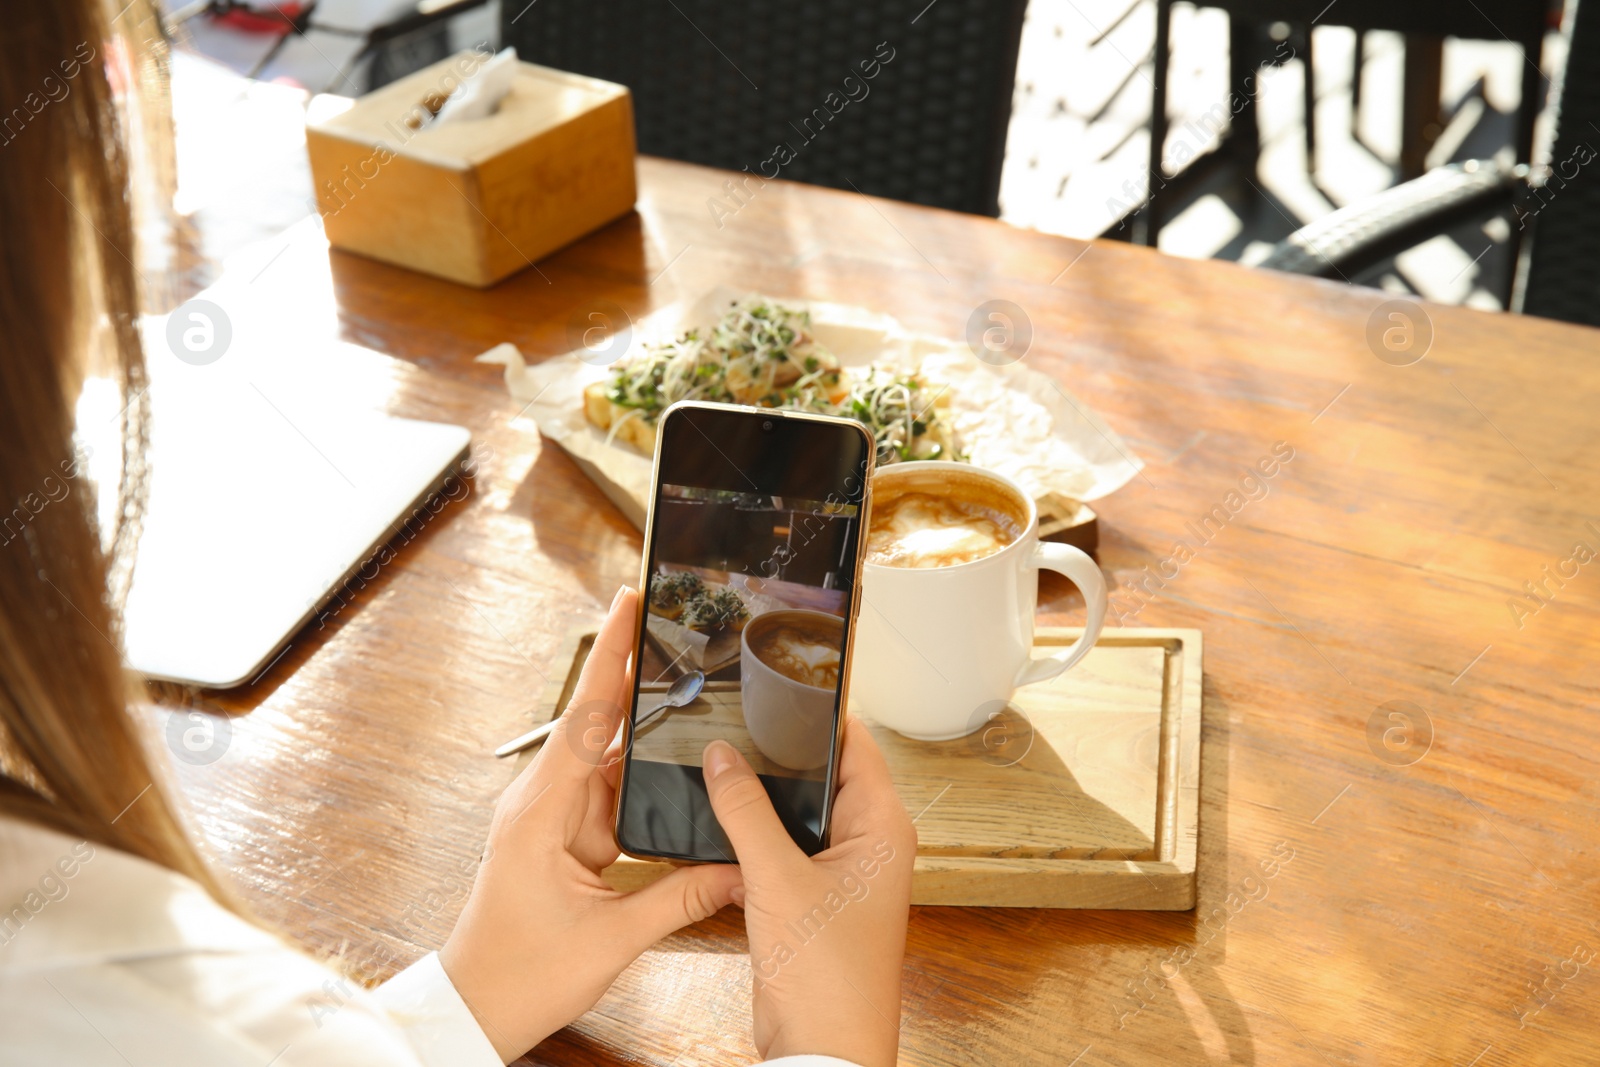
(801,652)
(917,529)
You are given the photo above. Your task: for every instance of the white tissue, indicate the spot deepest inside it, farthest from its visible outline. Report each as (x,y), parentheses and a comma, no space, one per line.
(480,92)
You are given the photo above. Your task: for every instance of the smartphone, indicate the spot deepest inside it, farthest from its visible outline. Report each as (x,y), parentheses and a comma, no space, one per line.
(748,601)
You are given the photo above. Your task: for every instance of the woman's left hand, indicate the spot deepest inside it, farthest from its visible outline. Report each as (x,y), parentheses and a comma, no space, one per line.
(542,937)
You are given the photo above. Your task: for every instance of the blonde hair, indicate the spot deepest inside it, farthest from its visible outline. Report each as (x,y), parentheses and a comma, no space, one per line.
(78,76)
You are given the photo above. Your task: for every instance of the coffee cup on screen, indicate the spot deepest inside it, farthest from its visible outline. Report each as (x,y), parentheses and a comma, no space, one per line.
(949,589)
(788,680)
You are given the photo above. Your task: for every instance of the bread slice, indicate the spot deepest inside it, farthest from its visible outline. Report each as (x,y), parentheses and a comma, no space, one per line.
(603,414)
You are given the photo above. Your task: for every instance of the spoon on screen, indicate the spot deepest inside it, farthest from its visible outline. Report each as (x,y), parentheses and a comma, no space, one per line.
(683,690)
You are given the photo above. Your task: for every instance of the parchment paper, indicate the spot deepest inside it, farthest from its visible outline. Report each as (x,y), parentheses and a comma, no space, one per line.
(1010,419)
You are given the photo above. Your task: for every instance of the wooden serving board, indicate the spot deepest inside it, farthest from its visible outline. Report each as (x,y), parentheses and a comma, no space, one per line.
(1084,793)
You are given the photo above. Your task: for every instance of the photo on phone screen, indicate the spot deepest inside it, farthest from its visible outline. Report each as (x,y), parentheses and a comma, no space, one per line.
(751,565)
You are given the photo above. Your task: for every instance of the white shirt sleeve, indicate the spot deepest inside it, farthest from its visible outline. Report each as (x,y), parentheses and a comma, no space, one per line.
(107,958)
(424,1003)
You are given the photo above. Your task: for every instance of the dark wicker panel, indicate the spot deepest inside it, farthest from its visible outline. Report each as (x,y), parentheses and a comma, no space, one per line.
(724,82)
(1564,275)
(399,56)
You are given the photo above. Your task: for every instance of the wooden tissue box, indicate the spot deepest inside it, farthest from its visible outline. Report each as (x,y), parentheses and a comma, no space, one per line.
(477,200)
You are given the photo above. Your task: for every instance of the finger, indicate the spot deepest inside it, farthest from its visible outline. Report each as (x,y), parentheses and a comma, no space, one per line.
(687,895)
(591,717)
(612,760)
(862,760)
(594,842)
(611,769)
(746,813)
(866,795)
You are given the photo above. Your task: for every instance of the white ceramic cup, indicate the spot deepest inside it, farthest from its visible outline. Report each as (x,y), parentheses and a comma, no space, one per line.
(789,721)
(939,649)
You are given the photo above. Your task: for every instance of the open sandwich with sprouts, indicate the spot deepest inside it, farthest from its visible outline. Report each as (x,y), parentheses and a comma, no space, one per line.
(761,353)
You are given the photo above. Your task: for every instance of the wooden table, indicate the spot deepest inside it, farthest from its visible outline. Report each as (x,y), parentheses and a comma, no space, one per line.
(1352,910)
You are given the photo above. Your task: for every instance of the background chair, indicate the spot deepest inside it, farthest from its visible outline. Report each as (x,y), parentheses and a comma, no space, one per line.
(1556,217)
(1425,22)
(723,82)
(413,40)
(1563,213)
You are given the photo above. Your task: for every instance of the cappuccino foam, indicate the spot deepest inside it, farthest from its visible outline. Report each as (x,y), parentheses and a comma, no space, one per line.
(802,652)
(924,529)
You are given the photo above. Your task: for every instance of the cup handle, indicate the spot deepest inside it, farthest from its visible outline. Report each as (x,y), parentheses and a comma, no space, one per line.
(1084,573)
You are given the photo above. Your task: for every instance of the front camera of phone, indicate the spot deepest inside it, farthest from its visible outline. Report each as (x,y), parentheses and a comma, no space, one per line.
(766,424)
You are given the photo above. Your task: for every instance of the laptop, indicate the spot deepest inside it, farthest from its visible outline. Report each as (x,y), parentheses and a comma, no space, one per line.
(267,491)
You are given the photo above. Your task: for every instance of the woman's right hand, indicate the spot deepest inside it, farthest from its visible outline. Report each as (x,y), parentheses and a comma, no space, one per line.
(827,933)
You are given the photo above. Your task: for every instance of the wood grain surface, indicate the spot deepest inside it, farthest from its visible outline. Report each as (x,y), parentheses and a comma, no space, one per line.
(1373,890)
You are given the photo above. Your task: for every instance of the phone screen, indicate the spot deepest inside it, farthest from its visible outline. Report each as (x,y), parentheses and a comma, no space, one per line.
(751,565)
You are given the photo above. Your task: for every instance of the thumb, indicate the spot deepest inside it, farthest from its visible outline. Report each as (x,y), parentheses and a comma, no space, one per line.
(687,895)
(745,812)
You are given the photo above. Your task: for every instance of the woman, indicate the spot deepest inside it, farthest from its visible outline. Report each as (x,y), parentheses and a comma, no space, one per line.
(117,944)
